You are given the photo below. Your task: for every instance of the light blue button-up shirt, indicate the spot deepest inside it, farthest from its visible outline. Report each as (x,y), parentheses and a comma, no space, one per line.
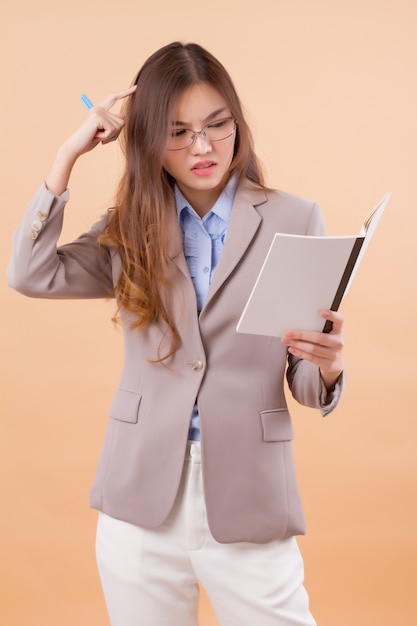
(203,241)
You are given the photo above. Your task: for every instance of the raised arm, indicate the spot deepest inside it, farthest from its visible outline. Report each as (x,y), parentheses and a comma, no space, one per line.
(100,126)
(79,269)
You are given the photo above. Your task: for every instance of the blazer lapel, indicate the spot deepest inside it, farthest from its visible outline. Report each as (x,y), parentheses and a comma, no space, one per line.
(244,222)
(174,242)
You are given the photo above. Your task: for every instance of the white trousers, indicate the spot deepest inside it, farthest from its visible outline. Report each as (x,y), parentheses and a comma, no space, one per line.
(150,577)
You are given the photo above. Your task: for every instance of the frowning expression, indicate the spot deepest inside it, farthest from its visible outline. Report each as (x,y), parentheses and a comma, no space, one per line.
(201,169)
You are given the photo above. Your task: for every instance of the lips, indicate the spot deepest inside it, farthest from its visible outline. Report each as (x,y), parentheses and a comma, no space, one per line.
(203,168)
(203,165)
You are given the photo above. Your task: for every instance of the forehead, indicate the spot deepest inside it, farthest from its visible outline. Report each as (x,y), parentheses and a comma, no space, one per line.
(198,102)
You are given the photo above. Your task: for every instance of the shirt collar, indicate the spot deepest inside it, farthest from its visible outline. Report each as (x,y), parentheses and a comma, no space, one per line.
(222,207)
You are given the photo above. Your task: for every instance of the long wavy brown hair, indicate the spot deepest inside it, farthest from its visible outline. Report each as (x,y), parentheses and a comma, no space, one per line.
(137,227)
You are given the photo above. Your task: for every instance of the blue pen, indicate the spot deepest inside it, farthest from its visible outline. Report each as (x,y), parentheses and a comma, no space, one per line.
(89,105)
(86,101)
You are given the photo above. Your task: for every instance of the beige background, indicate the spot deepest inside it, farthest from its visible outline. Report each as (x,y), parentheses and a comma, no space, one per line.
(330,89)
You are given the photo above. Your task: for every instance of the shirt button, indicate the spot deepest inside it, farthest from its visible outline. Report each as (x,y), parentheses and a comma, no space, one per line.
(197,365)
(206,269)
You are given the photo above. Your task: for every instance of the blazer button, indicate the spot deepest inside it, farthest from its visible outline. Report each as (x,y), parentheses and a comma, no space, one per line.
(41,215)
(37,225)
(197,365)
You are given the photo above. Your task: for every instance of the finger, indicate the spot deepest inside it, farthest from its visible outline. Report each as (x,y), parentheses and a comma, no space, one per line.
(113,137)
(108,125)
(312,349)
(290,337)
(327,359)
(293,337)
(321,345)
(109,101)
(335,318)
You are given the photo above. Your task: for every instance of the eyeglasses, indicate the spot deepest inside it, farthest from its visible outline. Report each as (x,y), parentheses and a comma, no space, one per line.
(181,138)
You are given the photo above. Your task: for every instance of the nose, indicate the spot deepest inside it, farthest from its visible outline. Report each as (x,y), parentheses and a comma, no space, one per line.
(201,145)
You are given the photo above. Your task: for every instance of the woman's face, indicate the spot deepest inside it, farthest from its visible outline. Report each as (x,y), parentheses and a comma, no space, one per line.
(199,170)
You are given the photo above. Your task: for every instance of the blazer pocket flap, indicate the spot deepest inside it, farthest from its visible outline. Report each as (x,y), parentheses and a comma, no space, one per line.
(125,406)
(276,425)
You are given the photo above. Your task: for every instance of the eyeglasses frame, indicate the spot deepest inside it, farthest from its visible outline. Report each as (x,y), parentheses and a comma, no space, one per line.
(203,134)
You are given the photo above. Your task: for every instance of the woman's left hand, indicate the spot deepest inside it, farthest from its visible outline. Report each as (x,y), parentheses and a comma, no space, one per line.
(322,349)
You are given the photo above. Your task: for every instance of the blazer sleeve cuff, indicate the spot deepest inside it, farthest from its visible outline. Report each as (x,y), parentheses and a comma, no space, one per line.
(64,196)
(329,400)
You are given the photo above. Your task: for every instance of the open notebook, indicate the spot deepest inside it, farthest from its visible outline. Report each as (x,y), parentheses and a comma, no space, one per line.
(302,275)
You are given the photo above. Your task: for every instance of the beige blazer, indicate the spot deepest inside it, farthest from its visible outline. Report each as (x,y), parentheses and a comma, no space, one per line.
(250,483)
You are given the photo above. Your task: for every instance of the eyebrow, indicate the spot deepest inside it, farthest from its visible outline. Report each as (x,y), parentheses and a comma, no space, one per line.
(206,119)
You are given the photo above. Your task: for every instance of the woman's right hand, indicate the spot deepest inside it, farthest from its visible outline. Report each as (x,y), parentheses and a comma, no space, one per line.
(100,126)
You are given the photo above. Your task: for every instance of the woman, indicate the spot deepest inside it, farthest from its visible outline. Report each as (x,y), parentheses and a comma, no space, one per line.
(196,479)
